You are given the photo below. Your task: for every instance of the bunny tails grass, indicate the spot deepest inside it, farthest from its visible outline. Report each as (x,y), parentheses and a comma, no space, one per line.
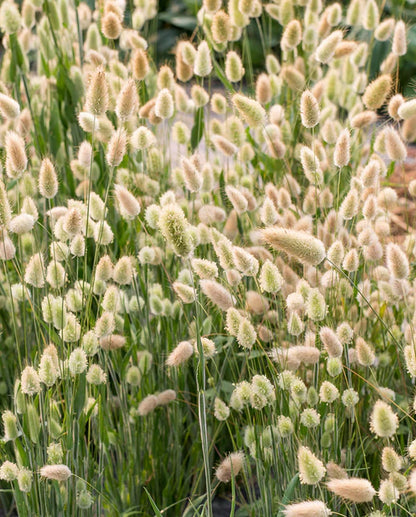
(298,244)
(207,258)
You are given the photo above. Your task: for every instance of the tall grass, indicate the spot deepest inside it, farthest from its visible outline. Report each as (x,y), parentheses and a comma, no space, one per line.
(138,379)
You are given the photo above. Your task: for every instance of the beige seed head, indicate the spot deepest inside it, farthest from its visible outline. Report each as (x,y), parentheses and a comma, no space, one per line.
(377,92)
(55,472)
(230,467)
(356,490)
(48,179)
(97,93)
(298,244)
(111,25)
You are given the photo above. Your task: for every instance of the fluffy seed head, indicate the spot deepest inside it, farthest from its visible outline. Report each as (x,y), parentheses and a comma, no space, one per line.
(9,108)
(307,509)
(16,158)
(302,246)
(55,472)
(377,92)
(230,467)
(311,469)
(174,227)
(383,421)
(309,109)
(164,106)
(202,63)
(399,46)
(97,93)
(251,111)
(356,490)
(48,179)
(217,294)
(180,354)
(342,151)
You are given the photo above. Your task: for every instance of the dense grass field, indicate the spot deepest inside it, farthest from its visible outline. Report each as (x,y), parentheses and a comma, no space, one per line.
(205,293)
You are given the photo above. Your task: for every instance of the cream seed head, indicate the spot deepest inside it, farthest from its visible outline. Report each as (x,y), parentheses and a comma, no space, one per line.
(307,509)
(383,421)
(16,158)
(250,110)
(164,107)
(399,45)
(356,490)
(97,93)
(377,92)
(9,108)
(180,354)
(234,69)
(300,245)
(309,109)
(342,151)
(55,472)
(311,469)
(48,179)
(174,227)
(202,63)
(217,294)
(230,467)
(326,49)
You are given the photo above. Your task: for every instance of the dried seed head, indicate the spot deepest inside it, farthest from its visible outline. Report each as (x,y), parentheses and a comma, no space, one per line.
(307,509)
(111,25)
(230,467)
(385,29)
(5,210)
(293,77)
(356,490)
(55,472)
(342,152)
(397,262)
(129,206)
(127,100)
(331,342)
(406,110)
(48,179)
(395,147)
(97,93)
(180,354)
(9,108)
(217,294)
(140,64)
(311,166)
(399,45)
(16,158)
(211,6)
(117,147)
(184,70)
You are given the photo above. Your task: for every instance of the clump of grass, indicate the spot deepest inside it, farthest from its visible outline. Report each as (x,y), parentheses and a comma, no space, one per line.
(201,293)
